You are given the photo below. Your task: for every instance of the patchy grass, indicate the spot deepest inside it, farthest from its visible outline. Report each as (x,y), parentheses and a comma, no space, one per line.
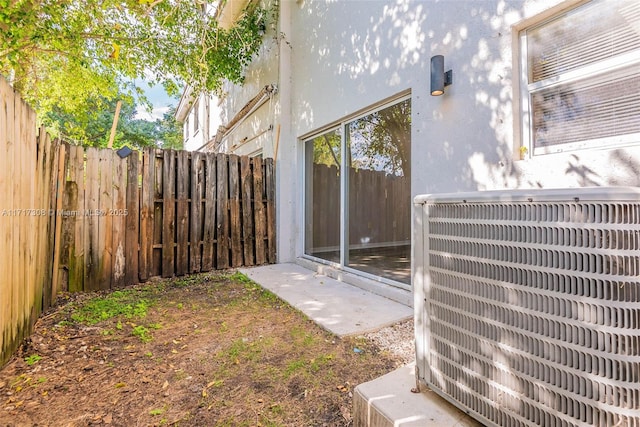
(209,349)
(124,303)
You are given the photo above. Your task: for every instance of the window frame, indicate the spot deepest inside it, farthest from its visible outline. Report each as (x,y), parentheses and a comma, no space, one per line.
(594,70)
(196,116)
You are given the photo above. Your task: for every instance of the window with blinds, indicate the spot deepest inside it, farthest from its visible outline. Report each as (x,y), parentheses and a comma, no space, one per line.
(583,77)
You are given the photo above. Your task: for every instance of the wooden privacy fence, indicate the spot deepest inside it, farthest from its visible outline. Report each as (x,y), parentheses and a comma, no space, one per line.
(81,219)
(28,176)
(162,213)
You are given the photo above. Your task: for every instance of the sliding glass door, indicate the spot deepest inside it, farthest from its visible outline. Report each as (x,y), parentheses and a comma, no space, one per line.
(322,196)
(371,179)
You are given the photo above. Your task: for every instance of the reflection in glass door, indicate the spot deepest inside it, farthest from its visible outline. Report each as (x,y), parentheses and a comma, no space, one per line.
(322,196)
(379,192)
(373,182)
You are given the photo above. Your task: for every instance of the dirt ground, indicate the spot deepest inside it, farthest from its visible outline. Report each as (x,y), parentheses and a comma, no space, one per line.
(205,350)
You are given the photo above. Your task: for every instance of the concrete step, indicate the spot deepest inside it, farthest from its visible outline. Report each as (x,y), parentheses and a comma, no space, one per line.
(388,402)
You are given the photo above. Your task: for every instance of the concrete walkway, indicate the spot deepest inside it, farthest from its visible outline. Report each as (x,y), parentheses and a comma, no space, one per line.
(336,306)
(348,310)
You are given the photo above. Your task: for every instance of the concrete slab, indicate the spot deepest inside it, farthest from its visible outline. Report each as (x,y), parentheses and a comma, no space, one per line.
(388,402)
(336,306)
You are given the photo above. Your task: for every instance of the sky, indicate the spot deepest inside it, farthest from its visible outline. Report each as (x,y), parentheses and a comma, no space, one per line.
(158,98)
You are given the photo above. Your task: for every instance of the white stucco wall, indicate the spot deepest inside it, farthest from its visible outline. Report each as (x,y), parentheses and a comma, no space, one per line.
(348,55)
(332,59)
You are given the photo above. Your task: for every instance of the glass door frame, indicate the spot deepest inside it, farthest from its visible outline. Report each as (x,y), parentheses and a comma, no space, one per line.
(342,126)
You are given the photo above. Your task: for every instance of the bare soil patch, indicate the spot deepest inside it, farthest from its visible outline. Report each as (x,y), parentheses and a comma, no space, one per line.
(205,350)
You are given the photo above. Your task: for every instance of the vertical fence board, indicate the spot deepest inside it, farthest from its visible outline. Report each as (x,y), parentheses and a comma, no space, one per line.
(146,214)
(270,189)
(28,141)
(7,287)
(222,209)
(50,150)
(182,214)
(16,262)
(247,210)
(131,211)
(118,260)
(52,178)
(158,212)
(258,208)
(76,255)
(91,254)
(5,234)
(59,189)
(40,223)
(69,204)
(105,224)
(209,230)
(168,213)
(195,232)
(41,258)
(235,222)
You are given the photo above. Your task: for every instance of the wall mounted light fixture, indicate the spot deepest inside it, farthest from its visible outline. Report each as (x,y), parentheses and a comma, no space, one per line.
(439,79)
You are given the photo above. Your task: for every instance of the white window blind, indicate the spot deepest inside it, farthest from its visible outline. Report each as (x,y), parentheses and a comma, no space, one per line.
(583,71)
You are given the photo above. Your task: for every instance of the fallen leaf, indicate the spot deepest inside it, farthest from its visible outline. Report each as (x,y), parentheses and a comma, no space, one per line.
(204,392)
(165,385)
(107,419)
(120,385)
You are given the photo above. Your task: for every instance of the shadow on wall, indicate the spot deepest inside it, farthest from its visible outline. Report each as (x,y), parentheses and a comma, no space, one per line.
(584,174)
(629,167)
(350,53)
(386,45)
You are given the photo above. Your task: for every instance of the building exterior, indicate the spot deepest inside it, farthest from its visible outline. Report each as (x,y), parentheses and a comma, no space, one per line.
(200,118)
(544,94)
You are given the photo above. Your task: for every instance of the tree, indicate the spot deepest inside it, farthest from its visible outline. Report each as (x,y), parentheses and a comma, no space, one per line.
(93,129)
(170,131)
(382,140)
(68,57)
